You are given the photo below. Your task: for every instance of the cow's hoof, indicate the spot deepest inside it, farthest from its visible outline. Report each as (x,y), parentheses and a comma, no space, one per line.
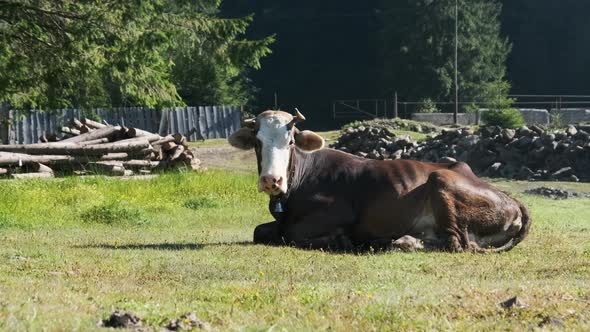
(266,234)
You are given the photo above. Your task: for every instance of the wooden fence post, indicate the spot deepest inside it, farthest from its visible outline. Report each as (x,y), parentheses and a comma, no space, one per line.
(4,123)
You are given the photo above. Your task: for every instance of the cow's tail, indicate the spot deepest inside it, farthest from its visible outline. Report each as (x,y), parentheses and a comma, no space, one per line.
(522,233)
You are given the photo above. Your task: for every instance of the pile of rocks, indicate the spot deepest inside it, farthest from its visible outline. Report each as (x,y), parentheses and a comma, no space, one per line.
(554,193)
(526,153)
(375,143)
(397,124)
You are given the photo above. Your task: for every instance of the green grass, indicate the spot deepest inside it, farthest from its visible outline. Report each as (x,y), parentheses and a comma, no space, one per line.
(74,249)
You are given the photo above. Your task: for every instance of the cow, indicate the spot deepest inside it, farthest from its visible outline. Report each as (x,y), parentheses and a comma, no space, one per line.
(327,199)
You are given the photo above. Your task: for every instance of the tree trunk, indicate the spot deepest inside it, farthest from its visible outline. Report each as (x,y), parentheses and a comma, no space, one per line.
(115,156)
(107,167)
(177,152)
(40,168)
(135,132)
(94,142)
(180,139)
(109,132)
(77,124)
(169,146)
(75,149)
(93,124)
(163,140)
(19,159)
(70,131)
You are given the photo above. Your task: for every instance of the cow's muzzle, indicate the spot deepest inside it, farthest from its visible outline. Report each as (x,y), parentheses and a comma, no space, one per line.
(272,185)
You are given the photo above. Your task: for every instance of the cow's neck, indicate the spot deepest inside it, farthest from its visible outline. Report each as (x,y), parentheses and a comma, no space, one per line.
(299,165)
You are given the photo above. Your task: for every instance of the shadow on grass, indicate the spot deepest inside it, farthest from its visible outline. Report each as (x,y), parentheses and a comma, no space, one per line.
(162,246)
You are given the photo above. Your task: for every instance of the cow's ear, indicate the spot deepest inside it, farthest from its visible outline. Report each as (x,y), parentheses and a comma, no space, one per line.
(308,140)
(243,139)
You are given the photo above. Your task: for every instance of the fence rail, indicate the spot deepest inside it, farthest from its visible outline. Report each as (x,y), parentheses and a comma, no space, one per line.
(202,122)
(570,107)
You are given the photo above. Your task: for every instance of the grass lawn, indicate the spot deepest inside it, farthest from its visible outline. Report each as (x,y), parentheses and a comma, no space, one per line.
(72,250)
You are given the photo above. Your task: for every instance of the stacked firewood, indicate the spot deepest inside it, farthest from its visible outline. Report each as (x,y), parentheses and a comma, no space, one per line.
(90,147)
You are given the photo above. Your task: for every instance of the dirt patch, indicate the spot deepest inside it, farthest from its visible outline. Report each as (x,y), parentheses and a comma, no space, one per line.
(226,157)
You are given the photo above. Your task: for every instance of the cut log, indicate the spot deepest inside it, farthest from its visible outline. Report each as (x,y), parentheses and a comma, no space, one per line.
(109,132)
(3,171)
(94,142)
(40,168)
(31,175)
(149,138)
(168,146)
(159,154)
(48,137)
(106,167)
(70,131)
(19,159)
(178,151)
(141,164)
(135,132)
(180,139)
(163,140)
(115,156)
(77,124)
(93,124)
(75,149)
(85,129)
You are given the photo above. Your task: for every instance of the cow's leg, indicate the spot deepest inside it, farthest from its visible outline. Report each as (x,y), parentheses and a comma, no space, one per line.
(443,203)
(471,215)
(323,230)
(268,234)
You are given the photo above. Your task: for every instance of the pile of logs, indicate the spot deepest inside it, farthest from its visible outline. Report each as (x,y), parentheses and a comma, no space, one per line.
(90,147)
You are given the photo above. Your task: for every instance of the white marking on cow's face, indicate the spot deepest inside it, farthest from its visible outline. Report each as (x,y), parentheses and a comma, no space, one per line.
(274,137)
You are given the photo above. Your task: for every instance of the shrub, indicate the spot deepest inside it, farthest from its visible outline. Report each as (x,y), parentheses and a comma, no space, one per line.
(505,118)
(427,106)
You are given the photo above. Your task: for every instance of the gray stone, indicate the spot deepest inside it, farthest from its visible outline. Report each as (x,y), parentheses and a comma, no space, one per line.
(573,178)
(447,160)
(397,154)
(524,131)
(562,173)
(548,138)
(525,173)
(537,129)
(582,135)
(469,140)
(494,168)
(560,136)
(508,134)
(571,130)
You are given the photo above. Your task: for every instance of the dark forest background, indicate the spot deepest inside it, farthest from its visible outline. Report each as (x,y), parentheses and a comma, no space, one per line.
(164,53)
(328,50)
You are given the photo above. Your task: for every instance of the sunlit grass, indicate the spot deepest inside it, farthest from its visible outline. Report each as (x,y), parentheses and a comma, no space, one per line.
(74,249)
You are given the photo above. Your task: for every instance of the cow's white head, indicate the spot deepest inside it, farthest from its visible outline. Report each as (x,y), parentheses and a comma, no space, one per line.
(273,134)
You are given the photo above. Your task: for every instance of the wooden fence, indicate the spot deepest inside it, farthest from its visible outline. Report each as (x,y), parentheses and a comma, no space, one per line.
(203,122)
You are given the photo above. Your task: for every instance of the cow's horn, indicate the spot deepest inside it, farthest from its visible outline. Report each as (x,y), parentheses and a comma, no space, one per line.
(250,123)
(298,116)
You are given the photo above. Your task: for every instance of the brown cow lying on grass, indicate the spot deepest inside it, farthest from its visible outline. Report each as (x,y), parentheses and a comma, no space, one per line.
(328,199)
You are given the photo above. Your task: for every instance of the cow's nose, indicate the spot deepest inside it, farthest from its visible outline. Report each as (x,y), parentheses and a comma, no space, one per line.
(270,183)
